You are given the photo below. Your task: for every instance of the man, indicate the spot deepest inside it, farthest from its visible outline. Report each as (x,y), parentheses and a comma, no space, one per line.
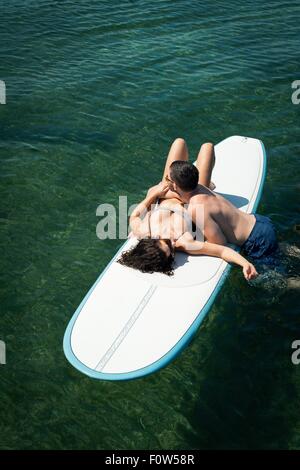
(223,222)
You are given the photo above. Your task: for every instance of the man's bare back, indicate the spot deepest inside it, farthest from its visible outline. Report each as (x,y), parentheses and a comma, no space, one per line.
(223,222)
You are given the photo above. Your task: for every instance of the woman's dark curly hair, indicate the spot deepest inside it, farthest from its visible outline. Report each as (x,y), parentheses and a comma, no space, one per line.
(147,256)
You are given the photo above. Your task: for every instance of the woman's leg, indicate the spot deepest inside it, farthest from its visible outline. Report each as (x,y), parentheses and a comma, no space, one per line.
(205,164)
(178,151)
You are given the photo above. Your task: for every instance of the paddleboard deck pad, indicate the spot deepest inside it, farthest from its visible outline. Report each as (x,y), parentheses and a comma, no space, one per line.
(131,324)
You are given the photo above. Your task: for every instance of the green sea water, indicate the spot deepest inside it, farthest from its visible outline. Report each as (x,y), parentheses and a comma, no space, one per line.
(96,93)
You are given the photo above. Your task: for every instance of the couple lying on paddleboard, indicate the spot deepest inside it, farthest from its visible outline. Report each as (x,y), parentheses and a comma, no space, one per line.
(187,205)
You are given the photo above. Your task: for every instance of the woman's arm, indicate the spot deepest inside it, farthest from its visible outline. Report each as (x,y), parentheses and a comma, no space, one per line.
(193,247)
(136,218)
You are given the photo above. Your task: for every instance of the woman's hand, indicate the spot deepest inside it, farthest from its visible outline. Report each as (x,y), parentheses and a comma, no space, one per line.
(249,271)
(159,190)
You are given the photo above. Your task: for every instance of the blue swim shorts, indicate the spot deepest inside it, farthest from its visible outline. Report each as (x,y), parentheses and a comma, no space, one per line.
(262,244)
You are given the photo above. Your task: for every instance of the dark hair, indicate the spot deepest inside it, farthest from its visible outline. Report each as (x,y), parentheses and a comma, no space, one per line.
(148,257)
(185,174)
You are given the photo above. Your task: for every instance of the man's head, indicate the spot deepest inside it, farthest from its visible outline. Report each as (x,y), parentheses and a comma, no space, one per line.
(185,175)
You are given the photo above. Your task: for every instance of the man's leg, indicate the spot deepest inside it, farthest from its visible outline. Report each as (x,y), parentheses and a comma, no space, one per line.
(178,151)
(205,164)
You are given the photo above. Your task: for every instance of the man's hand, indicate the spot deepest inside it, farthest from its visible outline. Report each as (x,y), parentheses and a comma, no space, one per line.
(249,271)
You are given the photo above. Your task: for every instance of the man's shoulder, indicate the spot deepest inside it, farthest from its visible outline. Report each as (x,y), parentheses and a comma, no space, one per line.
(196,198)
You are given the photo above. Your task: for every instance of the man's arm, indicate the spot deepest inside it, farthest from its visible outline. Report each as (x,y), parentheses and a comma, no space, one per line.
(193,247)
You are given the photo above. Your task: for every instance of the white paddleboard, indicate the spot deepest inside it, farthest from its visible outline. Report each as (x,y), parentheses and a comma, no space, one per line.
(131,324)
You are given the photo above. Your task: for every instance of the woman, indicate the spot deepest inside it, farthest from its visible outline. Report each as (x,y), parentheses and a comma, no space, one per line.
(167,227)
